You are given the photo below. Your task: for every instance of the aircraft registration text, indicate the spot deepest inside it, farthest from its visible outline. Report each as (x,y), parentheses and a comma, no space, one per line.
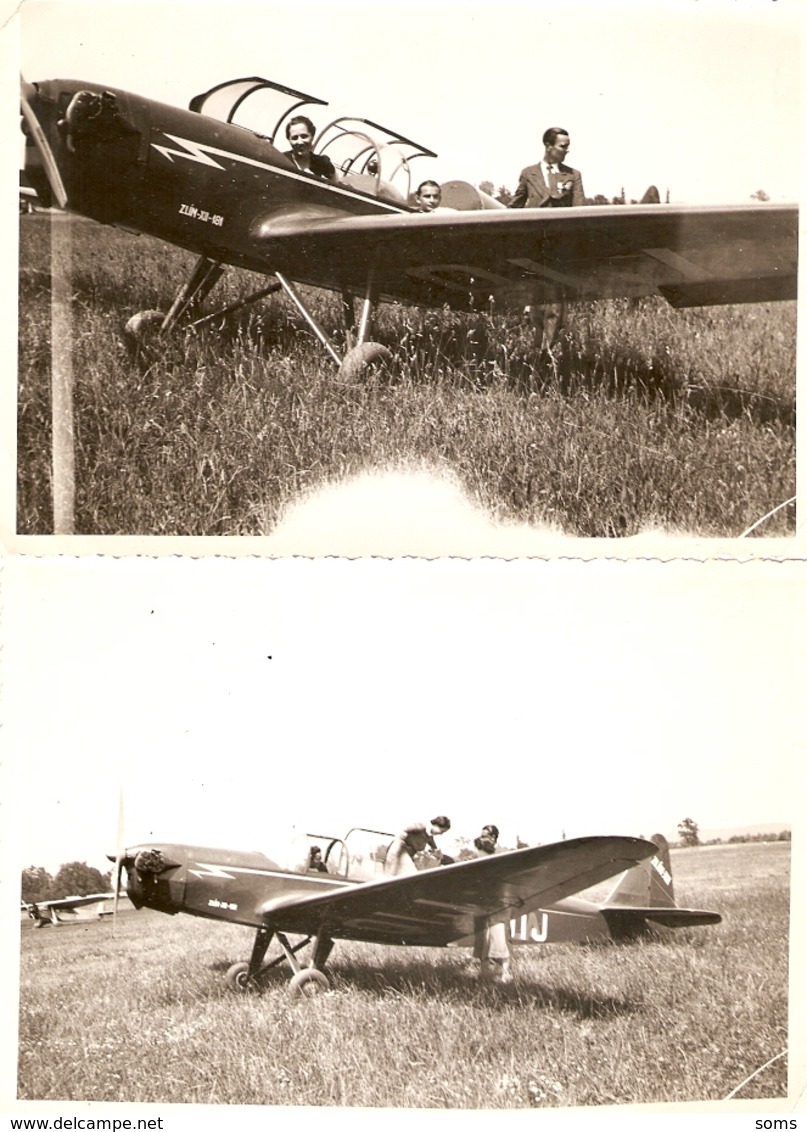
(201,214)
(662,872)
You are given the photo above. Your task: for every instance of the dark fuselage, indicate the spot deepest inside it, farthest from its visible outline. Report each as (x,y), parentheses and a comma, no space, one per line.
(205,185)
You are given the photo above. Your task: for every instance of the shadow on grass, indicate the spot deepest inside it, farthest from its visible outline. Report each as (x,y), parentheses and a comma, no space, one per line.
(451,983)
(624,373)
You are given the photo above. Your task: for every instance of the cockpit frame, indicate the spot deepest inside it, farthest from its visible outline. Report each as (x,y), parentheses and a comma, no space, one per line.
(359,855)
(368,157)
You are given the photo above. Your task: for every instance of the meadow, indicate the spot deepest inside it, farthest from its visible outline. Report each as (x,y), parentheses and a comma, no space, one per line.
(143,1015)
(651,418)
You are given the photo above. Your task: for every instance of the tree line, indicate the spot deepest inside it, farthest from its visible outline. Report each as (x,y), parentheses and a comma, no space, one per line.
(76,878)
(689,834)
(504,196)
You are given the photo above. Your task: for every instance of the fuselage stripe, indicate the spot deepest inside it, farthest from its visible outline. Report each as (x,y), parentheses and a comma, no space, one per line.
(194,149)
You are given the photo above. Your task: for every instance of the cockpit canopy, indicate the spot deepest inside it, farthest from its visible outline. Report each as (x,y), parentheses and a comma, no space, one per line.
(368,157)
(359,855)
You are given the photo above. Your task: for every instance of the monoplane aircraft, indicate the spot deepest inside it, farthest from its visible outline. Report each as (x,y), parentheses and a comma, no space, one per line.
(354,899)
(70,909)
(202,179)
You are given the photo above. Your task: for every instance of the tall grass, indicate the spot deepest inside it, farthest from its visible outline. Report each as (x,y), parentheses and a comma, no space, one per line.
(145,1015)
(652,417)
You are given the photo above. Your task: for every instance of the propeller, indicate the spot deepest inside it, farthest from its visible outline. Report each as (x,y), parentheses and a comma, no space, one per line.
(27,94)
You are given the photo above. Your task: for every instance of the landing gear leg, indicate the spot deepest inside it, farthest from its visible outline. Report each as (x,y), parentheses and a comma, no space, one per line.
(205,275)
(311,980)
(349,318)
(243,977)
(306,981)
(364,354)
(291,291)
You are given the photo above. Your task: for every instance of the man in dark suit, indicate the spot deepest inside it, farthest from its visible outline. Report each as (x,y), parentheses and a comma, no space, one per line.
(549,184)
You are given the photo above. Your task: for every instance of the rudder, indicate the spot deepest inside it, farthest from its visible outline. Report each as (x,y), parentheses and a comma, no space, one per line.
(648,884)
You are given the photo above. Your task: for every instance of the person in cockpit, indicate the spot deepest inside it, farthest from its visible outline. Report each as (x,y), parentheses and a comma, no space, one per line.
(300,134)
(428,196)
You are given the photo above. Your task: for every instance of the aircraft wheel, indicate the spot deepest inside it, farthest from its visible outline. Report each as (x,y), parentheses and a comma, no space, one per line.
(142,338)
(308,983)
(358,361)
(237,978)
(141,322)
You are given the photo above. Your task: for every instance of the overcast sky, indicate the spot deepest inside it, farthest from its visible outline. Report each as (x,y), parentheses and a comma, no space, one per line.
(697,96)
(234,700)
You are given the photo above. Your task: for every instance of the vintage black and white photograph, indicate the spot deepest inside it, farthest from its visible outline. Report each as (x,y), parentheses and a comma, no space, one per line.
(403,835)
(536,261)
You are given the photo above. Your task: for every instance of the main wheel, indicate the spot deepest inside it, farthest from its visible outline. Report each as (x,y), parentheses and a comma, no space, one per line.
(237,978)
(308,983)
(141,322)
(142,337)
(359,361)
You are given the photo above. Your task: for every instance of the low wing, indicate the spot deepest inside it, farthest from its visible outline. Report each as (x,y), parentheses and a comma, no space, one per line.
(437,906)
(69,902)
(693,256)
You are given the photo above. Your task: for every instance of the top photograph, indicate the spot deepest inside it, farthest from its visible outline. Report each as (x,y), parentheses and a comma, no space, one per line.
(456,280)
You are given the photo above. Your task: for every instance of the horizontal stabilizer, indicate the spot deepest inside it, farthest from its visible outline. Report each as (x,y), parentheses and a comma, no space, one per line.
(645,897)
(633,921)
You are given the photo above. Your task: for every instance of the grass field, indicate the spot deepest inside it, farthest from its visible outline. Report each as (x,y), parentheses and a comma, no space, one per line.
(653,418)
(144,1015)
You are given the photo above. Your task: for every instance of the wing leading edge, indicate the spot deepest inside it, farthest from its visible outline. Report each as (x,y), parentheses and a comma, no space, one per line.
(437,906)
(693,256)
(69,902)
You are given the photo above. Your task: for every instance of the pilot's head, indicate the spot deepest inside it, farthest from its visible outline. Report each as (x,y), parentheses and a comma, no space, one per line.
(556,144)
(440,824)
(300,133)
(428,196)
(490,831)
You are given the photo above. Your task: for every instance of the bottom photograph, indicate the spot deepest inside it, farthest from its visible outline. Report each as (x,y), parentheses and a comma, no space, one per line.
(402,834)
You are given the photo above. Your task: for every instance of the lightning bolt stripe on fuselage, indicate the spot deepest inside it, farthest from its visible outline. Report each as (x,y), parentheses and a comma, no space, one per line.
(201,153)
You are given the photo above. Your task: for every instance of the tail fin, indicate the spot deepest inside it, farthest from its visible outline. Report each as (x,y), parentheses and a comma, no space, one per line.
(649,884)
(644,897)
(651,196)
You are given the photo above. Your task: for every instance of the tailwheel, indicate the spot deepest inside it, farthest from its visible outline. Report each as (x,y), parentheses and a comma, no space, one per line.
(364,359)
(237,979)
(308,983)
